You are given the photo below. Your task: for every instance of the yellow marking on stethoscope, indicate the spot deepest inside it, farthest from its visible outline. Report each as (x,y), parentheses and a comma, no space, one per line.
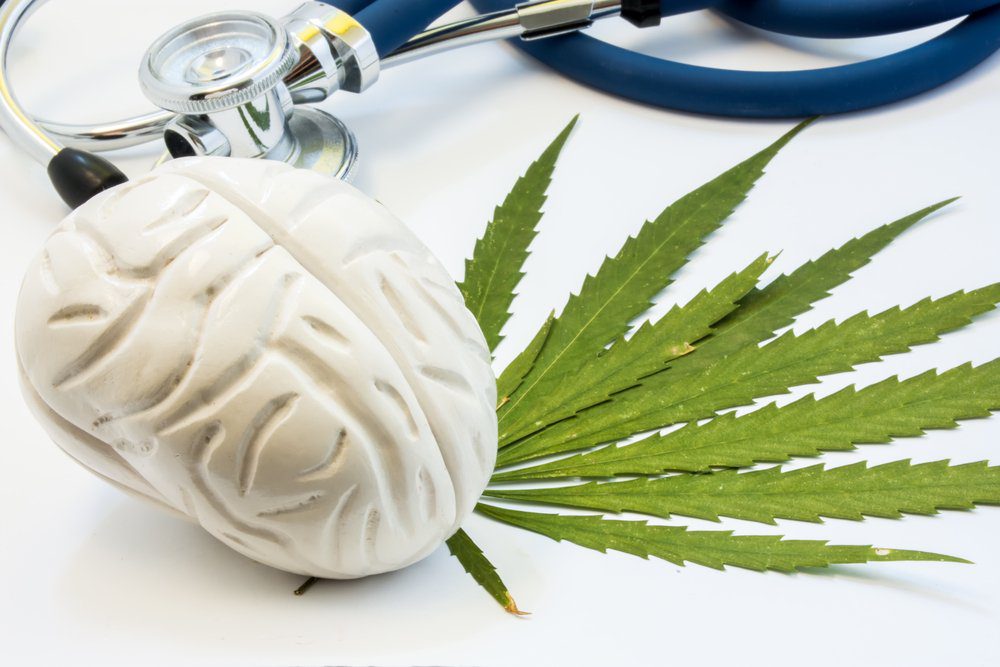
(308,34)
(342,24)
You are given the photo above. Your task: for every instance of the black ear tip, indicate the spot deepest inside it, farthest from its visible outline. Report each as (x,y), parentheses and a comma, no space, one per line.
(78,175)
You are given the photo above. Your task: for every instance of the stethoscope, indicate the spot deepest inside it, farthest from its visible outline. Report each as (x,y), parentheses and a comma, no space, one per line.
(240,83)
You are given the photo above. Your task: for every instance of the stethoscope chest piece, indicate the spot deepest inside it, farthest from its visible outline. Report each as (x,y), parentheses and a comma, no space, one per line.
(324,143)
(226,77)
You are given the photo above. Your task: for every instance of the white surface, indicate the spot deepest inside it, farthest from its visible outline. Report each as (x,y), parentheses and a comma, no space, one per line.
(92,577)
(268,352)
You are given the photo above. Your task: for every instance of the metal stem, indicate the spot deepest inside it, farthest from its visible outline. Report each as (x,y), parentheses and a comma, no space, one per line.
(506,24)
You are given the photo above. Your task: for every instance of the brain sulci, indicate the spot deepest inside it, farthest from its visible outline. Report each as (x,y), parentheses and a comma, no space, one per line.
(269,353)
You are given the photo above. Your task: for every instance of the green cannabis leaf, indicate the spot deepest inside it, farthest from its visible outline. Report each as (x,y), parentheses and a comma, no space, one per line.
(652,346)
(754,372)
(807,494)
(472,558)
(621,291)
(592,392)
(495,268)
(876,414)
(711,548)
(514,374)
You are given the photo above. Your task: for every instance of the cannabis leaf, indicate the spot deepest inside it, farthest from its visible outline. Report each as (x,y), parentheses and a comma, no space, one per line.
(699,390)
(472,558)
(847,492)
(711,548)
(590,380)
(513,375)
(495,268)
(770,308)
(766,310)
(625,285)
(876,414)
(650,348)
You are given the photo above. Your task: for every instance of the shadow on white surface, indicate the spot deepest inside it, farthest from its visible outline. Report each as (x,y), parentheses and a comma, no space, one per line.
(872,577)
(151,578)
(149,573)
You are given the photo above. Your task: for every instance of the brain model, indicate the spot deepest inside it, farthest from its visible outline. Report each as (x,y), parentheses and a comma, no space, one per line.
(268,352)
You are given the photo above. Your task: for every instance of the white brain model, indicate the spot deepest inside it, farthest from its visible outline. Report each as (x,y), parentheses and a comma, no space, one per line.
(269,352)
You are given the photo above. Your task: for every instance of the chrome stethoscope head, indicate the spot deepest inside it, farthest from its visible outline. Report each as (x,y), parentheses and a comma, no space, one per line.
(238,83)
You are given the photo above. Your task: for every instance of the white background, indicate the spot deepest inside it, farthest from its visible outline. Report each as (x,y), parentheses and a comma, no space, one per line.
(88,576)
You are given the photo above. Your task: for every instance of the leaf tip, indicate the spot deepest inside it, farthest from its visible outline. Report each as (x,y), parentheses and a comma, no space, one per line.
(511,607)
(805,123)
(566,131)
(956,559)
(792,133)
(882,553)
(937,206)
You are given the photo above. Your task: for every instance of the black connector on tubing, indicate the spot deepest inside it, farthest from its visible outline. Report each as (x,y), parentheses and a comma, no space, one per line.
(641,13)
(78,175)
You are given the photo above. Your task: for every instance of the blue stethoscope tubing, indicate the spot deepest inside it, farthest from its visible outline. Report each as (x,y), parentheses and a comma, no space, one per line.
(747,94)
